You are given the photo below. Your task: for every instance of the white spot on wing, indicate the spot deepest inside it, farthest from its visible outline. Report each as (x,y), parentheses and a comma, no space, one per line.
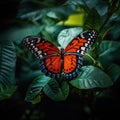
(78,51)
(40,56)
(39,52)
(83,48)
(82,52)
(86,44)
(36,49)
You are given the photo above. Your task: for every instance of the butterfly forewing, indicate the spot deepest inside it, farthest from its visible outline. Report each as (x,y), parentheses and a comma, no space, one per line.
(50,60)
(82,42)
(40,47)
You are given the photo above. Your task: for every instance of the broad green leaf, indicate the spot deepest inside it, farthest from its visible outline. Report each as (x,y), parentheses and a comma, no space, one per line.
(91,77)
(113,70)
(109,51)
(55,91)
(35,88)
(66,35)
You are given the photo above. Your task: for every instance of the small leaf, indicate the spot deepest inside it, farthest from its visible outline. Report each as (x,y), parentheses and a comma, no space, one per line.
(109,51)
(66,35)
(91,77)
(113,70)
(56,92)
(35,88)
(6,91)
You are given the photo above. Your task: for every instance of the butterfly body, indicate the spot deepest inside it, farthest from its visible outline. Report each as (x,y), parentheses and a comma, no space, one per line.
(66,62)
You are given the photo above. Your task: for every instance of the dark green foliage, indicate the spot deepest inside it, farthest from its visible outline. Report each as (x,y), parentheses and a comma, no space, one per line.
(55,91)
(7,69)
(47,19)
(91,77)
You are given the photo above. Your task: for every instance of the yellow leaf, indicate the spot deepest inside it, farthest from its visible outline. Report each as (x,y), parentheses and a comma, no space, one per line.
(75,20)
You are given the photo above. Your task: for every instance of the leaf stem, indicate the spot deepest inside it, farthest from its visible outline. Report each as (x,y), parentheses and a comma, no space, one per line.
(94,61)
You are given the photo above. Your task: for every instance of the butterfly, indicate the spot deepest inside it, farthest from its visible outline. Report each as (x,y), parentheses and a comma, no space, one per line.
(55,62)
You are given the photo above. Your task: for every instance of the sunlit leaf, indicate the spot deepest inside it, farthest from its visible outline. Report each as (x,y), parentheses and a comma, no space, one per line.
(91,77)
(75,20)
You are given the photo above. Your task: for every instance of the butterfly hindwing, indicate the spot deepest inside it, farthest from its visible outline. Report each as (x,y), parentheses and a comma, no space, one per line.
(51,66)
(72,65)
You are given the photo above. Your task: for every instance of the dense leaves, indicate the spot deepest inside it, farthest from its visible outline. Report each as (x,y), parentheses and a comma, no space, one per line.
(59,22)
(7,69)
(55,91)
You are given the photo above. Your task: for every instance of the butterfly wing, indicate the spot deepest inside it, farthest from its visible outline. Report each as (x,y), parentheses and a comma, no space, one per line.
(50,60)
(74,52)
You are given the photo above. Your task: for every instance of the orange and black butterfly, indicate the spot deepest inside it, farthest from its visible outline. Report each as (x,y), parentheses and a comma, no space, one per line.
(67,62)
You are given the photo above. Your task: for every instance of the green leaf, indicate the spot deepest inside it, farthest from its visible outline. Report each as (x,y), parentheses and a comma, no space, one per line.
(56,92)
(66,35)
(91,77)
(7,69)
(7,63)
(35,88)
(109,51)
(6,91)
(113,70)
